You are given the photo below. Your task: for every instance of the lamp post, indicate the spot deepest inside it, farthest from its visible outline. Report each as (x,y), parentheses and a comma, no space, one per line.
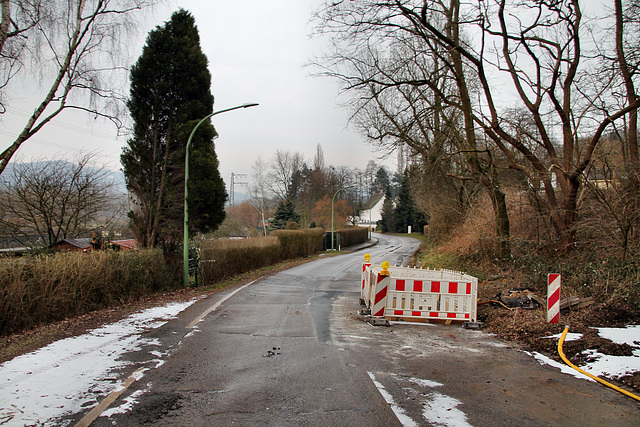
(185,247)
(332,200)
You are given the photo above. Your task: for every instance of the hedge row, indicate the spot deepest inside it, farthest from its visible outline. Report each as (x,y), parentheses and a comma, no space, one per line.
(299,243)
(47,288)
(223,258)
(353,236)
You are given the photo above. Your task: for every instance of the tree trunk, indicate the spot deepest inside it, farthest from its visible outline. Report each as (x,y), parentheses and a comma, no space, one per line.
(632,136)
(479,174)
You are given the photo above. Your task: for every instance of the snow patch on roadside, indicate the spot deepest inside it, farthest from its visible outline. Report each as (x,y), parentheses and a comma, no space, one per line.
(565,369)
(442,410)
(425,383)
(129,402)
(437,408)
(67,376)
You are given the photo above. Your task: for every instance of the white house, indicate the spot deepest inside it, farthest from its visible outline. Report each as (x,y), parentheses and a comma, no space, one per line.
(370,217)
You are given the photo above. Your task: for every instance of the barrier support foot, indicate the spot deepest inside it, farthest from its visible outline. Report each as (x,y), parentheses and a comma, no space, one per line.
(377,321)
(472,325)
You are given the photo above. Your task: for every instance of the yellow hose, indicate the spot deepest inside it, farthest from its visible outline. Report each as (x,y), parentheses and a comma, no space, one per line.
(600,380)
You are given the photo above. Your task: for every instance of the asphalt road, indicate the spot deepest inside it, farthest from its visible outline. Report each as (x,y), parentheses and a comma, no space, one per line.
(290,350)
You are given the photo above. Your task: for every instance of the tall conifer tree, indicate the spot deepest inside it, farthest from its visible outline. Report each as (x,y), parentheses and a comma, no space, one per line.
(170,93)
(406,212)
(388,216)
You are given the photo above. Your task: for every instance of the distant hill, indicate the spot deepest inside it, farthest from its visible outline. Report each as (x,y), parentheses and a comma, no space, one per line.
(240,197)
(116,176)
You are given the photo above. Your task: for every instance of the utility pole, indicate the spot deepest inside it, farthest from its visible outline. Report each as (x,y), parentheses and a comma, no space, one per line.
(232,197)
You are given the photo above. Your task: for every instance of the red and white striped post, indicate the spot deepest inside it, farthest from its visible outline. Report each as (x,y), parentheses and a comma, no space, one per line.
(382,284)
(553,298)
(365,264)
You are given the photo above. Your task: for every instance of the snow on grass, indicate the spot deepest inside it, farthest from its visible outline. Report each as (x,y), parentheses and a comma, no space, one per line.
(66,376)
(606,365)
(570,336)
(629,335)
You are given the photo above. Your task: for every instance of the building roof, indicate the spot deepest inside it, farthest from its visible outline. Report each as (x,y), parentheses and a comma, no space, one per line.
(128,243)
(373,200)
(78,243)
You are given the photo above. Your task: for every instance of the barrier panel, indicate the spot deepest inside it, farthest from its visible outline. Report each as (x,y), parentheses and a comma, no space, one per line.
(418,294)
(365,264)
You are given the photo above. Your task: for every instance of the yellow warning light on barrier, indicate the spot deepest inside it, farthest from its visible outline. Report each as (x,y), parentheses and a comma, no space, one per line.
(367,257)
(385,268)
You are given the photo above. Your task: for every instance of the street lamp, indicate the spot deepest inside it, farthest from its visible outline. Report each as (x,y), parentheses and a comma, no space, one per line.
(332,200)
(185,247)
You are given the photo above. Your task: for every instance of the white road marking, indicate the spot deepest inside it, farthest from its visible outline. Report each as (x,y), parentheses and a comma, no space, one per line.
(216,305)
(402,416)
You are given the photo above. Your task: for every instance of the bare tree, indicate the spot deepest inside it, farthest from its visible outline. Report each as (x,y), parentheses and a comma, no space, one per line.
(258,191)
(538,51)
(627,25)
(410,90)
(51,200)
(72,48)
(283,167)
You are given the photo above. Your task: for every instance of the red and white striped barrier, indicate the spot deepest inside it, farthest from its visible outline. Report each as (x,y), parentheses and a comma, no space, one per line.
(420,294)
(553,298)
(380,295)
(432,299)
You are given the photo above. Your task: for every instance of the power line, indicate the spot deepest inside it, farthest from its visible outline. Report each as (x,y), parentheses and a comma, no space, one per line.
(68,126)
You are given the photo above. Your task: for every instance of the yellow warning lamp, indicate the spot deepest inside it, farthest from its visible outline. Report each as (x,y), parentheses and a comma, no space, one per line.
(385,268)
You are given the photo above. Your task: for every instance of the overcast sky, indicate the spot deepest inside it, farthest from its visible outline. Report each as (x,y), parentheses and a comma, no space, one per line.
(257,53)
